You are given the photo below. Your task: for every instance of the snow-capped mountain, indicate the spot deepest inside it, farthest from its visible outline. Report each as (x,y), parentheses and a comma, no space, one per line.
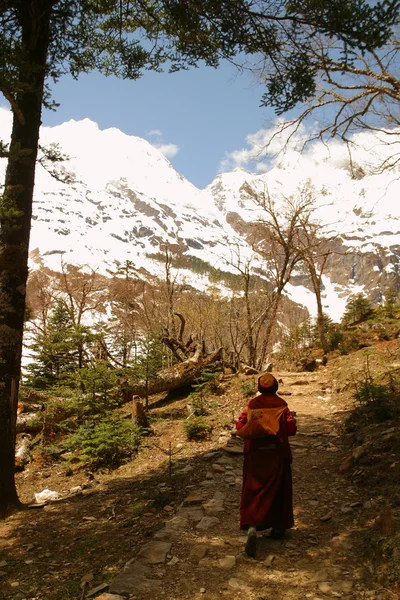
(123,200)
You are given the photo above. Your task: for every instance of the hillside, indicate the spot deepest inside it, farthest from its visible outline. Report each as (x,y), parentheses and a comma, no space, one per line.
(177,532)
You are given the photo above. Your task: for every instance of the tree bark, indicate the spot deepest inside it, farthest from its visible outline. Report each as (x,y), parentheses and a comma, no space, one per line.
(174,377)
(15,224)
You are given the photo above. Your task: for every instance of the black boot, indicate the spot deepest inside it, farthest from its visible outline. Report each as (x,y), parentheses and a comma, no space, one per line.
(277,534)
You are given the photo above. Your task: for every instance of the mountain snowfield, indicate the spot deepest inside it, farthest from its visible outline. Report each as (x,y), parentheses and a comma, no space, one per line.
(126,200)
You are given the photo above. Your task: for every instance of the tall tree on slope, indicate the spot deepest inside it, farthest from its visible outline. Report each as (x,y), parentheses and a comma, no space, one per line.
(43,39)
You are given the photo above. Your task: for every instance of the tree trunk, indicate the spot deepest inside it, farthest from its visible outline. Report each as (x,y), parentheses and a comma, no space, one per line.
(316,283)
(250,342)
(174,377)
(15,224)
(270,324)
(139,416)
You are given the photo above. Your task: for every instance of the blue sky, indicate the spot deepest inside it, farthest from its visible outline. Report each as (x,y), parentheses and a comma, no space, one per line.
(201,115)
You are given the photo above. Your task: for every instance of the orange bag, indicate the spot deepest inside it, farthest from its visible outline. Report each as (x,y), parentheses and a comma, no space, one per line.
(261,422)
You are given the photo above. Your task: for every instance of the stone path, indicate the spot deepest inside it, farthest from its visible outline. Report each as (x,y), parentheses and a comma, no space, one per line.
(199,553)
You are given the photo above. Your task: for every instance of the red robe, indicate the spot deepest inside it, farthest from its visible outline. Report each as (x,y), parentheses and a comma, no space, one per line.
(267,476)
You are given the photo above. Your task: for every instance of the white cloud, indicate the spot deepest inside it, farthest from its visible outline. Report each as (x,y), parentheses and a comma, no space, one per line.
(169,150)
(264,147)
(154,132)
(286,146)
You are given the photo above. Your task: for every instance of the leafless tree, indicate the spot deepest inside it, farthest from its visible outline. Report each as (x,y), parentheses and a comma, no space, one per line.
(275,238)
(361,93)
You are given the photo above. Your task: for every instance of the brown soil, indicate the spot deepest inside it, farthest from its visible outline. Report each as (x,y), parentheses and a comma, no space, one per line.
(90,534)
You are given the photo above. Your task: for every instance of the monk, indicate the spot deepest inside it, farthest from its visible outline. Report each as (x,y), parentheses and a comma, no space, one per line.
(266,500)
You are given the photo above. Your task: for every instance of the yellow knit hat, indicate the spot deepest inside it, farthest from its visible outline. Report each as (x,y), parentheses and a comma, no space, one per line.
(267,381)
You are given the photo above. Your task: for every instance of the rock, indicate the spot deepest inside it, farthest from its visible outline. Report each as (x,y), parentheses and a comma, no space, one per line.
(94,591)
(219,496)
(154,553)
(326,517)
(193,499)
(228,562)
(370,593)
(186,469)
(3,563)
(46,495)
(346,509)
(194,514)
(213,506)
(107,596)
(236,584)
(134,578)
(198,552)
(166,534)
(390,430)
(233,448)
(29,547)
(324,587)
(346,586)
(358,452)
(346,464)
(319,576)
(173,561)
(269,560)
(218,468)
(207,523)
(178,522)
(210,455)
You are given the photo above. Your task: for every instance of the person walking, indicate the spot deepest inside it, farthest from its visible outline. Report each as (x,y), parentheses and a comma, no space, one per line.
(266,500)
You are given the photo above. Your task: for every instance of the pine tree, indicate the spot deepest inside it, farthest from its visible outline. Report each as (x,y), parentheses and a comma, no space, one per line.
(358,308)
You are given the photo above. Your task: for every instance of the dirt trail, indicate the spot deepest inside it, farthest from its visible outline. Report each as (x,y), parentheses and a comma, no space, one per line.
(314,560)
(194,549)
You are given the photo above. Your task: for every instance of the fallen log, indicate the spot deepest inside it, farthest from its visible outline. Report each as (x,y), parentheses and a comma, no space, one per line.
(174,377)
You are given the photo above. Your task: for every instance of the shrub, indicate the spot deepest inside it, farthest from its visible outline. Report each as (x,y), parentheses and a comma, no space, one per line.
(106,442)
(196,428)
(249,388)
(377,402)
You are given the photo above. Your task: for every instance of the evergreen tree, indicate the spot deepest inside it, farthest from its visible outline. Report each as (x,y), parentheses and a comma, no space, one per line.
(149,361)
(56,350)
(391,299)
(358,308)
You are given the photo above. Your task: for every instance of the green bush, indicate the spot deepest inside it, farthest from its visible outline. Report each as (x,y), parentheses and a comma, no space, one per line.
(377,402)
(249,388)
(369,392)
(196,428)
(107,442)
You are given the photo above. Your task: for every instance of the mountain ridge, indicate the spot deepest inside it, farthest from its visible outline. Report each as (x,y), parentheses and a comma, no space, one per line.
(123,200)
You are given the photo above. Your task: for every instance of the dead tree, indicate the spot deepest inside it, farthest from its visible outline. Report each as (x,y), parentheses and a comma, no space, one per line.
(139,416)
(275,239)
